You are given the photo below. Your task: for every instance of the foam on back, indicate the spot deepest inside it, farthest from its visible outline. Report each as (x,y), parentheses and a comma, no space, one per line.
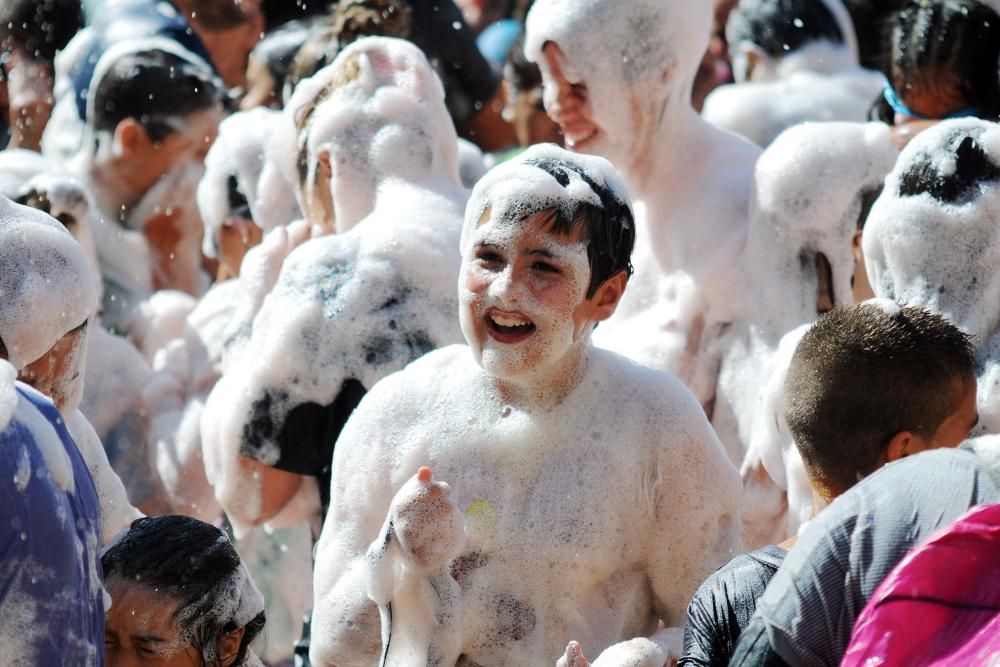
(932,238)
(46,285)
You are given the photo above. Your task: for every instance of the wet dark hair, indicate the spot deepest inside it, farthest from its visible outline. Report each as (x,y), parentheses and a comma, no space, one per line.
(609,228)
(972,168)
(861,375)
(872,21)
(151,86)
(780,27)
(183,559)
(3,350)
(39,27)
(522,74)
(937,44)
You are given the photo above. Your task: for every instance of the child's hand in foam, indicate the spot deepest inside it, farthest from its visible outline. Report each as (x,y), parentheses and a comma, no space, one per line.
(639,652)
(427,523)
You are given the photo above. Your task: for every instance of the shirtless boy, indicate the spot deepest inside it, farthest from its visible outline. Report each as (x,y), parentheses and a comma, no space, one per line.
(594,493)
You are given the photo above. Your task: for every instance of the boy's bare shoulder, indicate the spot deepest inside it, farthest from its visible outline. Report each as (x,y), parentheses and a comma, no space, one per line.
(659,396)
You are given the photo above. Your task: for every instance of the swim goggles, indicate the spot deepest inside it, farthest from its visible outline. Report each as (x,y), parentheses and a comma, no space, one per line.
(892,99)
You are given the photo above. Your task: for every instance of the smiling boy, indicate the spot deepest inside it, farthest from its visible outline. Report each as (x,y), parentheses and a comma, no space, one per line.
(595,495)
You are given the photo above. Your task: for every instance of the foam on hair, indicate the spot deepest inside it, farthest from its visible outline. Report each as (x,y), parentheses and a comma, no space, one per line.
(628,39)
(932,238)
(239,153)
(46,283)
(377,109)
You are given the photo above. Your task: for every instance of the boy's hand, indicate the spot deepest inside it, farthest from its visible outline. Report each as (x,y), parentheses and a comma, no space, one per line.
(640,652)
(427,523)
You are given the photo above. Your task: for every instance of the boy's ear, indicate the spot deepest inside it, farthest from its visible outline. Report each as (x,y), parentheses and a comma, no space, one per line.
(605,301)
(130,137)
(901,446)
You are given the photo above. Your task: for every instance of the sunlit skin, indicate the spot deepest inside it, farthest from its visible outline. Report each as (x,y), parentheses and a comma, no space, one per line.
(931,102)
(56,372)
(572,110)
(952,432)
(236,236)
(140,629)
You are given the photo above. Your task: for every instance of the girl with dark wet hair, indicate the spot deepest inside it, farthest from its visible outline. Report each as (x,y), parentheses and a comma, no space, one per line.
(944,63)
(180,596)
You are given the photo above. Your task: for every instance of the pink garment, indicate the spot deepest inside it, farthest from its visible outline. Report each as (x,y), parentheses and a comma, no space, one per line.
(941,604)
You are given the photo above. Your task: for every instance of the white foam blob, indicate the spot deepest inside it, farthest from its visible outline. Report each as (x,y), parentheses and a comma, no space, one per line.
(552,487)
(363,303)
(46,285)
(820,82)
(240,152)
(638,60)
(932,239)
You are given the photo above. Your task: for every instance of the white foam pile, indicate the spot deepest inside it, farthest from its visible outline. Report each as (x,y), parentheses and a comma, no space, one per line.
(820,82)
(46,285)
(528,438)
(240,152)
(23,172)
(932,239)
(807,202)
(610,45)
(637,60)
(361,304)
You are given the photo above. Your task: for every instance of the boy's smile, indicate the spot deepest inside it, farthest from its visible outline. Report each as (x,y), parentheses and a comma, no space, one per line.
(510,328)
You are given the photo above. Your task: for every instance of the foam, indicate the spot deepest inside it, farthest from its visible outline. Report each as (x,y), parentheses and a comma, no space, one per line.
(821,82)
(926,251)
(932,241)
(46,283)
(360,304)
(638,60)
(239,151)
(117,513)
(185,371)
(377,113)
(8,393)
(522,439)
(551,486)
(808,198)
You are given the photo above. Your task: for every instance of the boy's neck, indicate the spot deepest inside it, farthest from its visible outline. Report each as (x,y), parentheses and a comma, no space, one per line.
(545,390)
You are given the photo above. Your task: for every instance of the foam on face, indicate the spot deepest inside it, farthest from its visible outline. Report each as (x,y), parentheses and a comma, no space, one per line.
(932,238)
(542,178)
(621,50)
(46,283)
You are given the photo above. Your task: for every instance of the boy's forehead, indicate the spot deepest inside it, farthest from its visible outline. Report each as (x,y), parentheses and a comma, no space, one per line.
(538,228)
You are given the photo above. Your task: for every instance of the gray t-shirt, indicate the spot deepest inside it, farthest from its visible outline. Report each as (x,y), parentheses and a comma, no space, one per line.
(809,609)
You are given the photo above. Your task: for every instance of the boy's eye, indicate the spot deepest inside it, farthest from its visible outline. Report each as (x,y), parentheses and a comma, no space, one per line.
(545,267)
(488,257)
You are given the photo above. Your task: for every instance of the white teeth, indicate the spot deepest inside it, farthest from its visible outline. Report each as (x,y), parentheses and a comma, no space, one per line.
(508,321)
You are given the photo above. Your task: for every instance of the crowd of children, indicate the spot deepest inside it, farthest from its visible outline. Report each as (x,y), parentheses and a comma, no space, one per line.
(499,332)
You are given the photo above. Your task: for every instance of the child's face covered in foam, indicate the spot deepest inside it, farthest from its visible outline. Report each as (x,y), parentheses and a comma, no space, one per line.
(523,295)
